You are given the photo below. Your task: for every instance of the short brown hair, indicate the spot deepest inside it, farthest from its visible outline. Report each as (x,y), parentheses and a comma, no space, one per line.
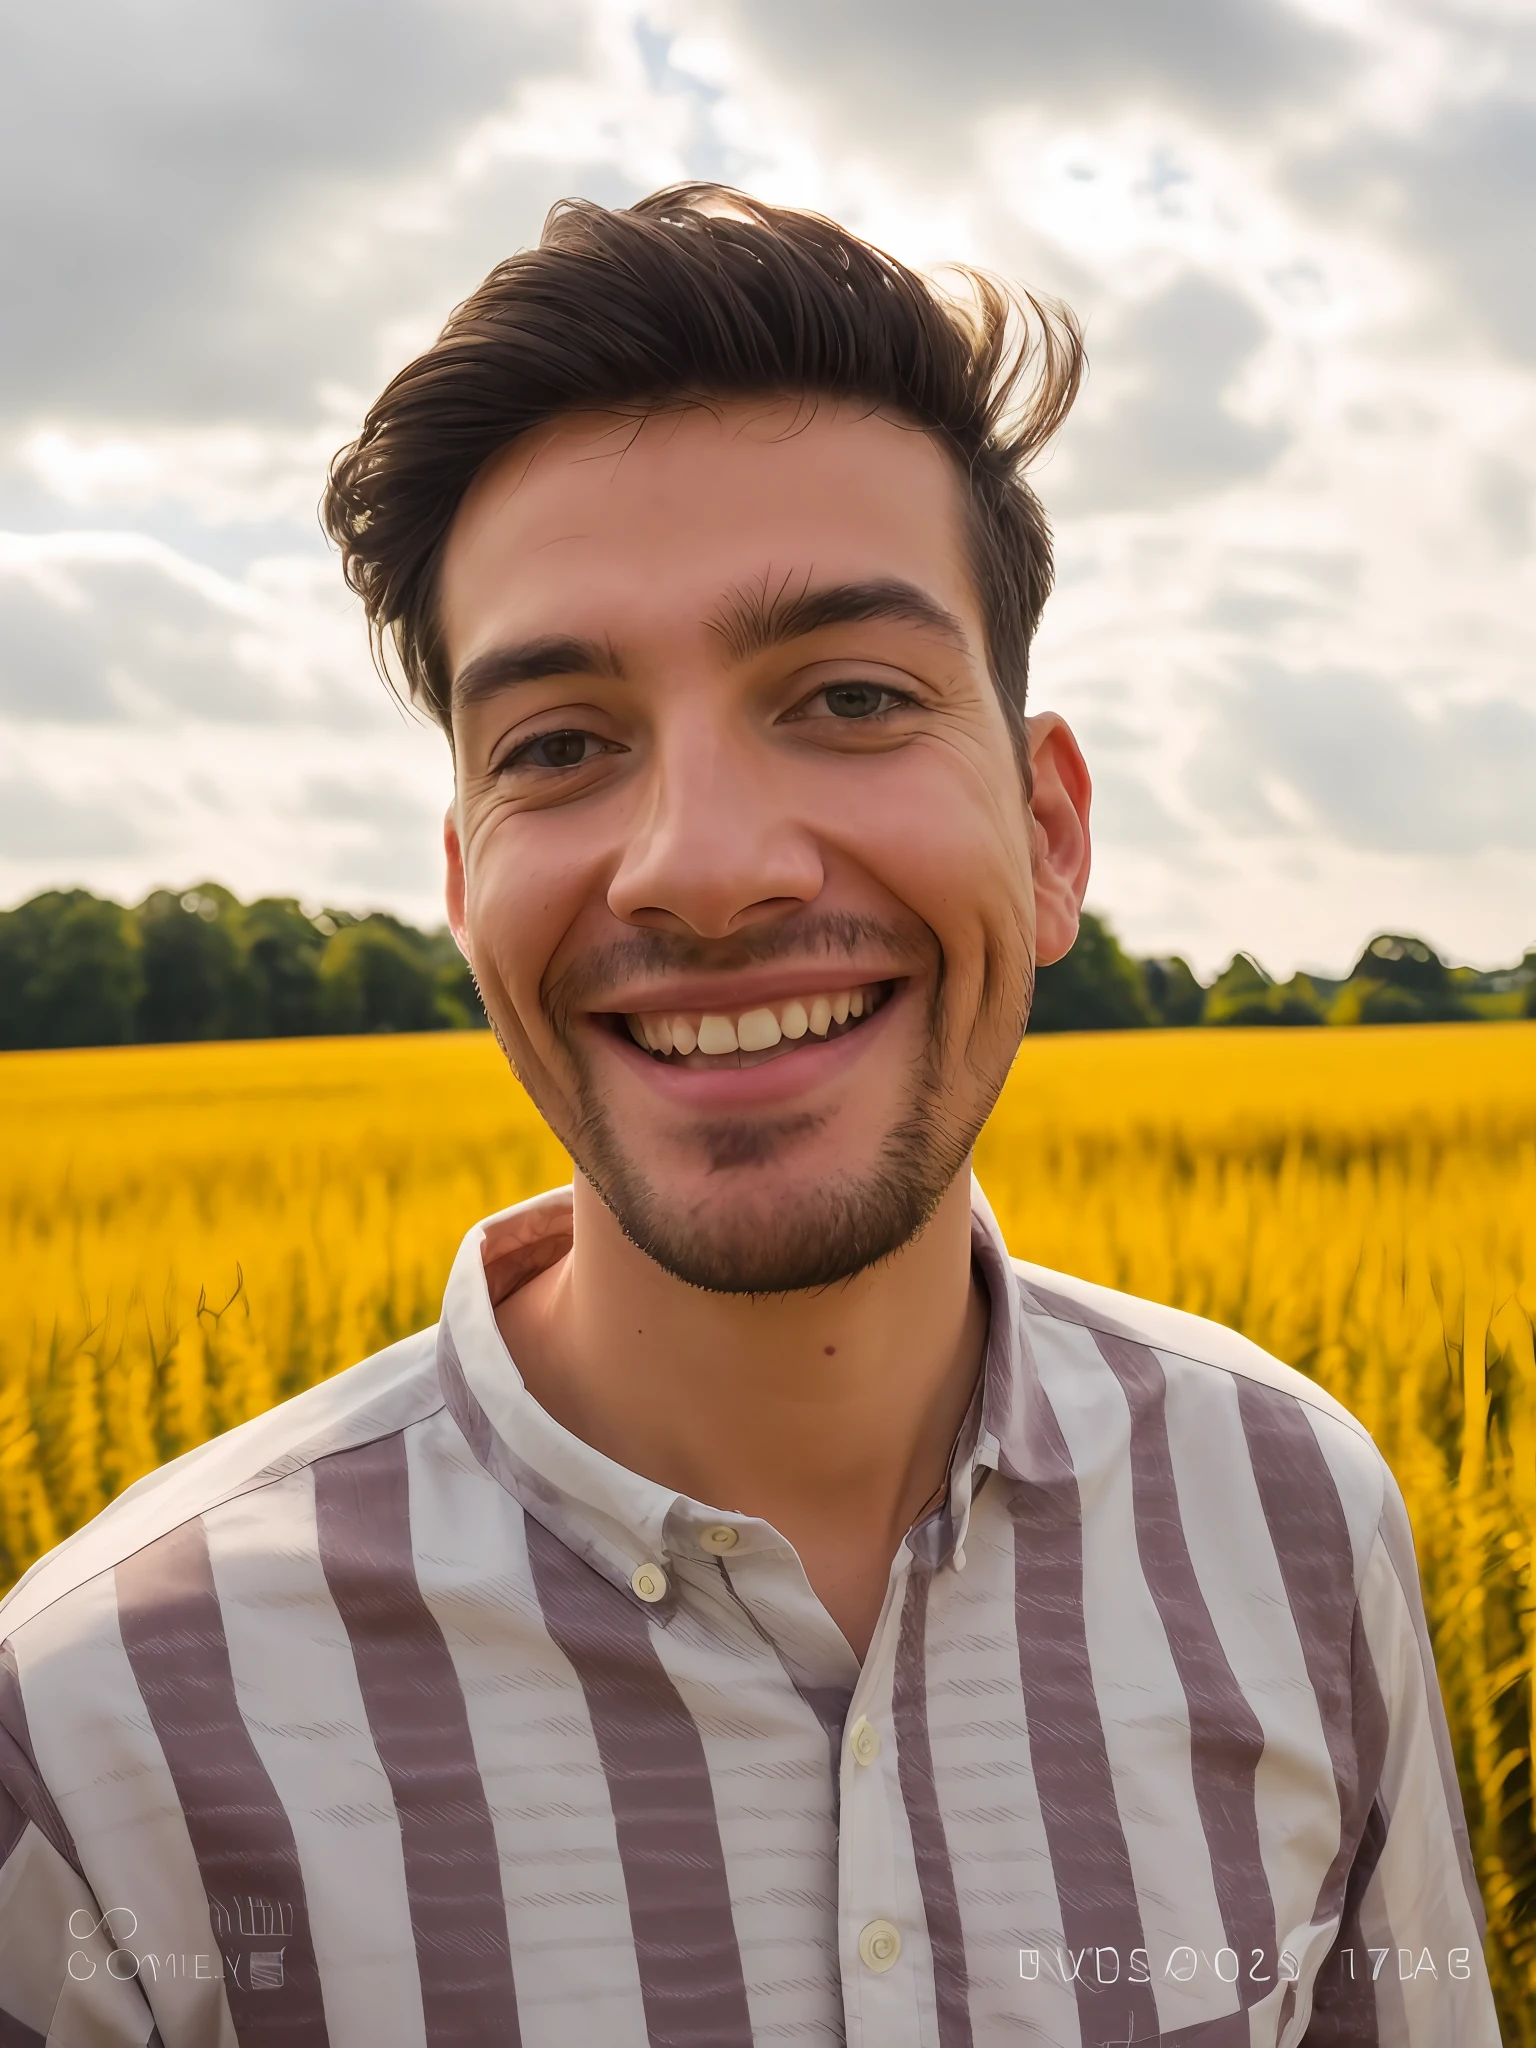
(701,293)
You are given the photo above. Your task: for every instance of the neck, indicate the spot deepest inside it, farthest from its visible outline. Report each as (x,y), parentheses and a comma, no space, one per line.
(829,1414)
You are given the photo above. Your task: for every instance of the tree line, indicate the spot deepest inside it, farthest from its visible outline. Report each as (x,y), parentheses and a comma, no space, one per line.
(1398,979)
(76,969)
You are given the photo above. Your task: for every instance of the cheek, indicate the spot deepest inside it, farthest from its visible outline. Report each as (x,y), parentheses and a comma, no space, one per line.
(519,903)
(951,843)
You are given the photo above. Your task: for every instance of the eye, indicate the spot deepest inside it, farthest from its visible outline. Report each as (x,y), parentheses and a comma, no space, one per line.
(859,700)
(569,748)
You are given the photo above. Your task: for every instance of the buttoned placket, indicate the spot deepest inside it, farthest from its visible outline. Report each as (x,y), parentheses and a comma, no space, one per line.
(888,1995)
(882,1935)
(880,1943)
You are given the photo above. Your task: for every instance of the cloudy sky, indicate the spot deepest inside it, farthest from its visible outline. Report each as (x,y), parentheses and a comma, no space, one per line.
(1296,511)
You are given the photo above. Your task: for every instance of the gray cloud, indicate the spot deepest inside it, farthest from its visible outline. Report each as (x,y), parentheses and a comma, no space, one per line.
(1270,590)
(384,807)
(37,824)
(1170,436)
(163,168)
(911,68)
(1127,810)
(397,847)
(1373,771)
(139,635)
(1506,497)
(1459,194)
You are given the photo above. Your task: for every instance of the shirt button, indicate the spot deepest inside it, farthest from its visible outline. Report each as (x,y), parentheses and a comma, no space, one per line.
(864,1741)
(879,1946)
(650,1582)
(720,1538)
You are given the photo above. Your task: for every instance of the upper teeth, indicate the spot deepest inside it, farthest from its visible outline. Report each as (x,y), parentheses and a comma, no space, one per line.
(747,1030)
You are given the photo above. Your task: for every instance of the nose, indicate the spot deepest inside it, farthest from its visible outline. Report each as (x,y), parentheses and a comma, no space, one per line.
(719,844)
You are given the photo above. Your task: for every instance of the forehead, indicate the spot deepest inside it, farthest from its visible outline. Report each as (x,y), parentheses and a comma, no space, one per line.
(615,525)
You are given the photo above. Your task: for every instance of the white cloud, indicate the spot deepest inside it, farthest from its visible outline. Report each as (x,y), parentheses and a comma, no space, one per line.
(267,809)
(235,474)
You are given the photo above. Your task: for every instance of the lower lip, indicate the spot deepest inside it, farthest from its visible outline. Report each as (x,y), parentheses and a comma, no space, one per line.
(722,1089)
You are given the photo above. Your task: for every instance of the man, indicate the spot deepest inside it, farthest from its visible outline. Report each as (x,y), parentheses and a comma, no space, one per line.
(759,1611)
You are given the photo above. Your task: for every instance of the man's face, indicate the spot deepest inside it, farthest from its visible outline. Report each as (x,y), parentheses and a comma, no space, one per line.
(740,852)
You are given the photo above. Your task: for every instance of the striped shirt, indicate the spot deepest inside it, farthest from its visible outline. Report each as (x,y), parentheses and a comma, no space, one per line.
(401,1716)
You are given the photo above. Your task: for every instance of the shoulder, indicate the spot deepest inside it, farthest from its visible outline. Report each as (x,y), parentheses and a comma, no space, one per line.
(382,1394)
(1286,1420)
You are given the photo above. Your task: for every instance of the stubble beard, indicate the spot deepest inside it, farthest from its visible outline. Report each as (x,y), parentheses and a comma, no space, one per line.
(827,1229)
(824,1233)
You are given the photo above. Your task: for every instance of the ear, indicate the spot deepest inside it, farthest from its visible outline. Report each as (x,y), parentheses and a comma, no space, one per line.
(1062,854)
(454,885)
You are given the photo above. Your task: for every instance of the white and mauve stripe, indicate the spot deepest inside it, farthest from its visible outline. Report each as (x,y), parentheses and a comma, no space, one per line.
(1393,2027)
(1141,1698)
(1358,1474)
(1417,1879)
(567,1909)
(86,1716)
(1004,1879)
(767,1756)
(1235,1563)
(296,1683)
(1177,1331)
(420,1729)
(665,1821)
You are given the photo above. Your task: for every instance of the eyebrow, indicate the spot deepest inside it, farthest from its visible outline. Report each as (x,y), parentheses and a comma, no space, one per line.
(751,621)
(532,661)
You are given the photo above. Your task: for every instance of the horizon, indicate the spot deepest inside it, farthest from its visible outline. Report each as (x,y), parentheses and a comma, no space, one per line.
(316,909)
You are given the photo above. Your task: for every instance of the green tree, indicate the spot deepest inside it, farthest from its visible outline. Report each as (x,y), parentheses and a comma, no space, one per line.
(1297,1001)
(70,972)
(1243,994)
(372,978)
(283,951)
(1398,979)
(195,985)
(1173,994)
(1239,994)
(1402,962)
(1095,987)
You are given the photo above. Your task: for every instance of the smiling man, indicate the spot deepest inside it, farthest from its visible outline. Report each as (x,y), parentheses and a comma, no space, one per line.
(760,1610)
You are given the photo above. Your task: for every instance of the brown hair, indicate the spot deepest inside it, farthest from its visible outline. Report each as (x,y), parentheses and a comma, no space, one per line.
(700,293)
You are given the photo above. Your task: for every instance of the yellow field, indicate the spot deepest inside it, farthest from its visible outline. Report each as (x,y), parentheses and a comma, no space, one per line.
(193,1232)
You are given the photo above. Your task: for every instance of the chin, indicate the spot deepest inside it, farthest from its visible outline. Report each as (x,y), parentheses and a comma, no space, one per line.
(741,1227)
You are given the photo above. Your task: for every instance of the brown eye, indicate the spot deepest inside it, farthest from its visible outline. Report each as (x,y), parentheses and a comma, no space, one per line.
(553,750)
(855,700)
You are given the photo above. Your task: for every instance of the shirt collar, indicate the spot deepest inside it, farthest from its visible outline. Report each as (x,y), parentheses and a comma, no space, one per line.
(615,1519)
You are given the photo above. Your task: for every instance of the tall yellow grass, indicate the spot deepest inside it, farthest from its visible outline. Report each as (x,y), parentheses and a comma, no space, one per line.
(192,1233)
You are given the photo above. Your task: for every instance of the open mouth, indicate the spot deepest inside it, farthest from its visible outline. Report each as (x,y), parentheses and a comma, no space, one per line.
(711,1039)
